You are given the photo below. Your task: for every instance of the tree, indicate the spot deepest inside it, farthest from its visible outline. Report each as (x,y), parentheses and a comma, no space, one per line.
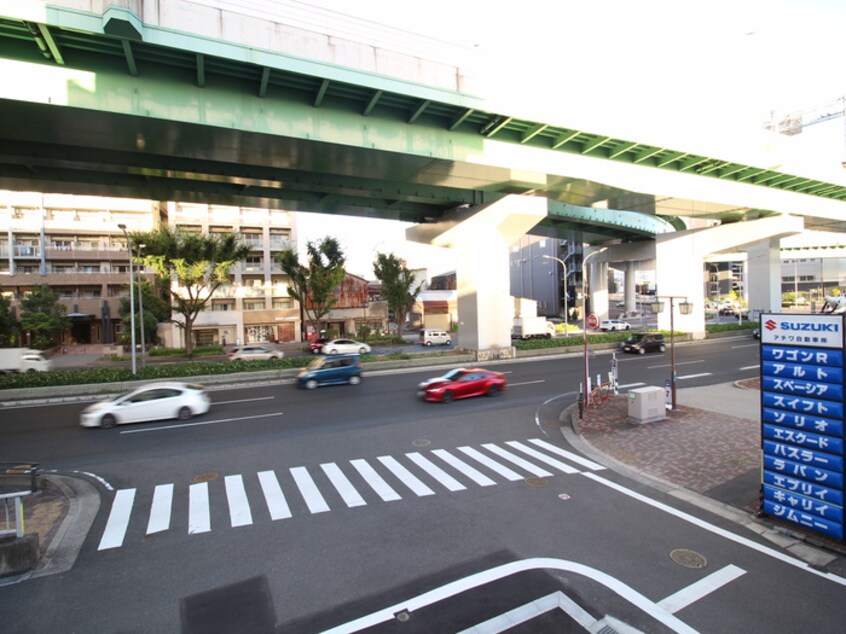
(398,286)
(43,317)
(8,322)
(197,263)
(314,286)
(156,310)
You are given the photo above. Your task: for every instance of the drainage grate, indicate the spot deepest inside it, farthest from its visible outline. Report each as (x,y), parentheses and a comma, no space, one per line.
(533,481)
(422,443)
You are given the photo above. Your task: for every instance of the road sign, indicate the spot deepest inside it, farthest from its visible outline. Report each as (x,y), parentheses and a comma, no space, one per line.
(592,321)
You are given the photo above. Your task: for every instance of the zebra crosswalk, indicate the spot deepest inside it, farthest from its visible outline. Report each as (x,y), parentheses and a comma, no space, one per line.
(355,483)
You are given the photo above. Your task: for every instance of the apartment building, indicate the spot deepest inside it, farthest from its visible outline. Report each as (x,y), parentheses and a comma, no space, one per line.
(75,245)
(255,305)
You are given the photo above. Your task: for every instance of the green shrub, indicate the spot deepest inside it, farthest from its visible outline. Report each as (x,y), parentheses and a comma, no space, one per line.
(746,325)
(199,351)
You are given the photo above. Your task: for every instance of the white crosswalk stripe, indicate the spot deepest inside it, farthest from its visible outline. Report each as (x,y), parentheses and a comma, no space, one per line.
(357,482)
(343,485)
(239,506)
(309,490)
(277,505)
(199,515)
(160,510)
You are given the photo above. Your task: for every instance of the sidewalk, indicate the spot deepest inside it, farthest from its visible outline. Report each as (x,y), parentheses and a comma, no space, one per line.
(706,452)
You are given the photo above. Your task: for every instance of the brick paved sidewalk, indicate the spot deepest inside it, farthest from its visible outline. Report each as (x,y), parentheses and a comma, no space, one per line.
(693,448)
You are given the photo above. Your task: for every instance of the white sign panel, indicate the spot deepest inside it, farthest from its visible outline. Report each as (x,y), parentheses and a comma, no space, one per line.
(815,331)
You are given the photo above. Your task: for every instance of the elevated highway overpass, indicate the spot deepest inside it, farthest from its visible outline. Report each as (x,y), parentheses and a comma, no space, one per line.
(180,100)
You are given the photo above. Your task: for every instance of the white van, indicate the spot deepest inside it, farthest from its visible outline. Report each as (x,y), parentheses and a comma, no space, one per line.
(434,337)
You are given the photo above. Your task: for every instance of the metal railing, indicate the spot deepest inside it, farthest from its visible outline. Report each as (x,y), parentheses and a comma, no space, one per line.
(15,498)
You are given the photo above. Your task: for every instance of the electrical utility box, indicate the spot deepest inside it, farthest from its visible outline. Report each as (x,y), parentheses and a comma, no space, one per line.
(646,405)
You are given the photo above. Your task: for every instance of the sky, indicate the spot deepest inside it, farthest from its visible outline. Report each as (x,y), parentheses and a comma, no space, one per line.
(667,67)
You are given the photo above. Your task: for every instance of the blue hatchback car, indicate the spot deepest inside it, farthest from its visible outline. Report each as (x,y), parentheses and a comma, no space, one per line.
(330,370)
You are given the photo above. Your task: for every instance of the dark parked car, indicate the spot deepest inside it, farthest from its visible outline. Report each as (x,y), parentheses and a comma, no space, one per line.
(644,342)
(461,383)
(338,368)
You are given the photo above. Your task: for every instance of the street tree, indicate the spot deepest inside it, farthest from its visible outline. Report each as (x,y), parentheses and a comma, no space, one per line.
(315,284)
(8,322)
(399,286)
(156,311)
(192,265)
(43,316)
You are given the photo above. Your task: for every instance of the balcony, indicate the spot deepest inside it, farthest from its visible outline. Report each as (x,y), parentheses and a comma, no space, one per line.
(279,244)
(65,279)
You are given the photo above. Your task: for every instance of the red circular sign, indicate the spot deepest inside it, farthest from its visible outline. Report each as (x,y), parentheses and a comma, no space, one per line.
(592,320)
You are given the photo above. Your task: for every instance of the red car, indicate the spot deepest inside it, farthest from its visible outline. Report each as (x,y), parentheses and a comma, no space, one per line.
(461,383)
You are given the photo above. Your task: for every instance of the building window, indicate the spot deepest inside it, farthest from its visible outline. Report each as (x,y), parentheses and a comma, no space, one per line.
(253,305)
(219,306)
(283,303)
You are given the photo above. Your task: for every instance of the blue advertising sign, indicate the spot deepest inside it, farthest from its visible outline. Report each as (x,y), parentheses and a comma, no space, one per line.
(830,358)
(802,420)
(803,439)
(816,424)
(826,374)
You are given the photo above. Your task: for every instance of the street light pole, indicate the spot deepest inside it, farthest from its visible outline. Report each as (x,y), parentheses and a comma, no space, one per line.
(584,319)
(564,266)
(685,308)
(141,305)
(122,227)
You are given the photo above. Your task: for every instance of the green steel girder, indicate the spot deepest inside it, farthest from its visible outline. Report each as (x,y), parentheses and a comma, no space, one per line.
(637,224)
(83,42)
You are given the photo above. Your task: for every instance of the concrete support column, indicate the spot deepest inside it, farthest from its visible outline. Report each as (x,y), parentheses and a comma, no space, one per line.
(599,288)
(481,236)
(678,274)
(630,292)
(763,276)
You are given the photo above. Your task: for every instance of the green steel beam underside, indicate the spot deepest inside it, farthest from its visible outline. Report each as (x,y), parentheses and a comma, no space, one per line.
(150,73)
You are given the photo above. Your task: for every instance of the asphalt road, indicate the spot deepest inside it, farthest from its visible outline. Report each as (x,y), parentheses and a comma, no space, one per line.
(267,510)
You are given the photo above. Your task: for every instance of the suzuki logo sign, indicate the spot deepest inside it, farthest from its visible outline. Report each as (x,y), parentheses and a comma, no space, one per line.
(770,324)
(815,331)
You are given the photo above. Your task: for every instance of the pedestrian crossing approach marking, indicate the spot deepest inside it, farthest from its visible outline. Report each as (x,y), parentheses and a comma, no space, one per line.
(334,485)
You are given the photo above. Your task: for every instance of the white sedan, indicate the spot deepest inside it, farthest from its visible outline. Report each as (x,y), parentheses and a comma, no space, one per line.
(345,346)
(614,324)
(155,401)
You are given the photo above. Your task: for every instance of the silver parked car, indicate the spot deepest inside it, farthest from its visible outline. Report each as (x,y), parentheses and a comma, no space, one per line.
(345,346)
(155,401)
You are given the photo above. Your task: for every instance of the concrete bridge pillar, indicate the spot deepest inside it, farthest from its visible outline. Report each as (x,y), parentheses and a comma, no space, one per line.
(763,276)
(481,236)
(630,288)
(599,289)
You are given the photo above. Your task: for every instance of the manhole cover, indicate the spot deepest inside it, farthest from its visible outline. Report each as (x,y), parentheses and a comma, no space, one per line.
(688,558)
(563,496)
(206,477)
(402,616)
(533,481)
(422,443)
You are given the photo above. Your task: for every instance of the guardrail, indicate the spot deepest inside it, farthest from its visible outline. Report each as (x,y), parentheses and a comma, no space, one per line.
(15,498)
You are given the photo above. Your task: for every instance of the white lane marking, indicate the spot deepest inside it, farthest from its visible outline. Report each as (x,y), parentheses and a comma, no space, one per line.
(552,462)
(748,345)
(343,485)
(382,488)
(118,520)
(716,529)
(160,511)
(692,376)
(435,471)
(477,476)
(203,422)
(199,519)
(491,464)
(523,464)
(554,601)
(702,588)
(566,454)
(405,476)
(678,363)
(527,382)
(92,475)
(239,505)
(628,385)
(244,400)
(470,582)
(308,489)
(749,367)
(277,505)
